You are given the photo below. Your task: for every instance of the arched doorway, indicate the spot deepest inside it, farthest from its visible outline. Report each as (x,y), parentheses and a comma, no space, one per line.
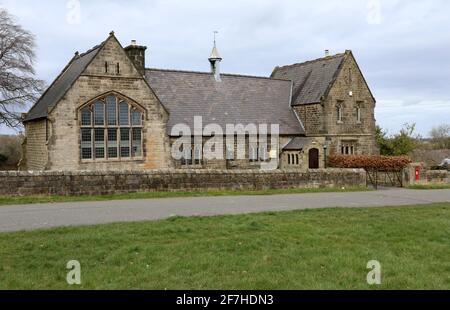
(313,156)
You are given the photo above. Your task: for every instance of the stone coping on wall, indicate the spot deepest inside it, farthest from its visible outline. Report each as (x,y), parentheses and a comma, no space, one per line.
(171,171)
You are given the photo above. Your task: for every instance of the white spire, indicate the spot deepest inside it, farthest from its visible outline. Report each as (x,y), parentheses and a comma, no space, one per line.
(215,59)
(215,53)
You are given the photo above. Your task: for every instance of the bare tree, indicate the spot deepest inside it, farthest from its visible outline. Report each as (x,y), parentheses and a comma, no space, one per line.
(18,85)
(440,136)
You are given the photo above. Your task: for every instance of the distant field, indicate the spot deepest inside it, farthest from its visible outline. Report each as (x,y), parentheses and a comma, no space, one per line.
(310,249)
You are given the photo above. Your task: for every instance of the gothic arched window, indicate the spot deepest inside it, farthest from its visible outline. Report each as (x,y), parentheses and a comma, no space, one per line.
(111,128)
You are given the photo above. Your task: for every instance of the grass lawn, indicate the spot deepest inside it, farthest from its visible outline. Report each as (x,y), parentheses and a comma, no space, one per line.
(309,249)
(430,186)
(9,200)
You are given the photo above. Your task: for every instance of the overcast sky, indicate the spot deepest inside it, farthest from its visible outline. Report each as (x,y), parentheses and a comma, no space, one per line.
(402,46)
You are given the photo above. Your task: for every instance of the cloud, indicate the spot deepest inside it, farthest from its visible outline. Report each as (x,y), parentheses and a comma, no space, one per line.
(403,52)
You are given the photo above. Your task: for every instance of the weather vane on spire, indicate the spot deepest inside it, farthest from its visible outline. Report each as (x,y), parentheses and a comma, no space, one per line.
(215,32)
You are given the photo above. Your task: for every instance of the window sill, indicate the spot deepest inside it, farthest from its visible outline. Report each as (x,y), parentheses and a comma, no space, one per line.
(340,122)
(118,160)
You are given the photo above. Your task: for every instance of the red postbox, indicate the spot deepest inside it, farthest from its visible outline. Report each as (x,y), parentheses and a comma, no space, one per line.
(417,173)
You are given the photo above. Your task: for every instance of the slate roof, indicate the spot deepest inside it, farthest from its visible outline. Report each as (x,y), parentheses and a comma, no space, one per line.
(62,84)
(297,144)
(311,79)
(236,99)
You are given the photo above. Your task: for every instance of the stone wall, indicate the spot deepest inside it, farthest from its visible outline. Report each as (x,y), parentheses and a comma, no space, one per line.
(312,117)
(35,145)
(108,182)
(425,176)
(438,176)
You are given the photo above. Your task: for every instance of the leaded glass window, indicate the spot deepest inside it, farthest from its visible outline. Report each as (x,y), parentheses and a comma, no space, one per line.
(111,128)
(123,113)
(99,113)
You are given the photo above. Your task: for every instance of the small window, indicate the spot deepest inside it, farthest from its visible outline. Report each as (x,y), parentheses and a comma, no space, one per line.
(106,67)
(123,113)
(137,142)
(124,142)
(253,153)
(99,142)
(230,154)
(86,143)
(297,159)
(86,116)
(348,149)
(136,118)
(99,113)
(118,68)
(263,153)
(358,113)
(198,156)
(339,113)
(187,156)
(111,110)
(112,143)
(350,78)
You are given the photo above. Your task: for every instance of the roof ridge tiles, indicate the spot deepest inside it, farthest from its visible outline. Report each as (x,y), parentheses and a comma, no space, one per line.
(224,74)
(299,64)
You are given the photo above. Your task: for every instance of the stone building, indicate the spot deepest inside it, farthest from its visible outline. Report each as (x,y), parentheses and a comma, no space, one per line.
(107,111)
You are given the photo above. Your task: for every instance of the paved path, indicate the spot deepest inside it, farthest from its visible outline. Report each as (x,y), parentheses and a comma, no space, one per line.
(27,217)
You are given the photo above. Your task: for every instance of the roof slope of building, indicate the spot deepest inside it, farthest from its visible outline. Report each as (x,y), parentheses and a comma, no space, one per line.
(62,84)
(297,144)
(236,99)
(312,79)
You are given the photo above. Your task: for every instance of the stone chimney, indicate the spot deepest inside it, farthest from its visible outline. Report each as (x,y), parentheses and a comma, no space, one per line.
(137,55)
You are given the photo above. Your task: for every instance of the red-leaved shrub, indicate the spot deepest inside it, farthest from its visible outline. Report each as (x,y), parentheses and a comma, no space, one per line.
(369,162)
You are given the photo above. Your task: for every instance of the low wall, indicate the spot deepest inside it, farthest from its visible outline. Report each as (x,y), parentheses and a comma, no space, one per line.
(96,182)
(425,176)
(438,176)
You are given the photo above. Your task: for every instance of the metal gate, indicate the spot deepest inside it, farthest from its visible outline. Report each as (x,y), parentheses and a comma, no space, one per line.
(387,178)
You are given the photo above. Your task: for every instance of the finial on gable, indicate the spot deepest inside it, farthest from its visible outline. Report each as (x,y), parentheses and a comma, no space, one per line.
(111,33)
(77,53)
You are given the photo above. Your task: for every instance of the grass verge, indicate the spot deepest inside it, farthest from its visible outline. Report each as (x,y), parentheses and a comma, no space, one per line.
(9,200)
(308,249)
